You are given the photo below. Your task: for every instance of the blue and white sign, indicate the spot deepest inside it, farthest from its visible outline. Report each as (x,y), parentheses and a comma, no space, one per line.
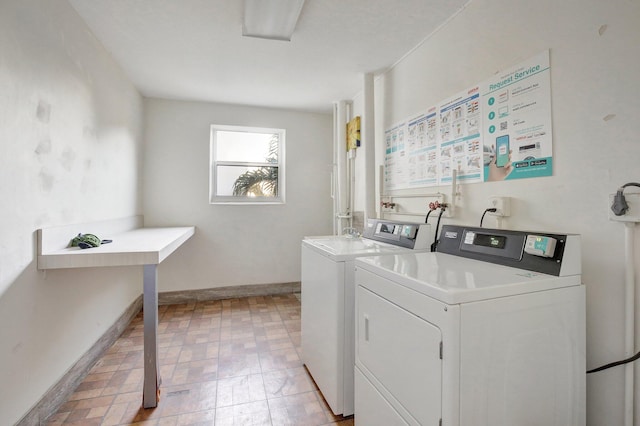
(517,135)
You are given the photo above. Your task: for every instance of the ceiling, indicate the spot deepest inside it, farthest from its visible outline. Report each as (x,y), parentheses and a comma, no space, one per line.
(194,49)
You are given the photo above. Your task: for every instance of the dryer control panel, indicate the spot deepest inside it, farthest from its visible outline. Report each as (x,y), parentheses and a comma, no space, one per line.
(554,254)
(540,245)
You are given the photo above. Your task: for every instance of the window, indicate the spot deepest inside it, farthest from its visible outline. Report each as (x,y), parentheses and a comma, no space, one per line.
(247,165)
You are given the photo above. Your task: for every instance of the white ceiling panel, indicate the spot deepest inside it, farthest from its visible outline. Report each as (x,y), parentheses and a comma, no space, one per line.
(194,49)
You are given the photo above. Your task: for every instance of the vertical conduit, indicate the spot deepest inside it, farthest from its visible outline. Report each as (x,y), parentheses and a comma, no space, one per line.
(351,156)
(454,193)
(351,170)
(630,297)
(334,170)
(368,137)
(340,123)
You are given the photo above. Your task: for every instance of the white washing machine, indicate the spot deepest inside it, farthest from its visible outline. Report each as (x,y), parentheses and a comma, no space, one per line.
(328,298)
(487,331)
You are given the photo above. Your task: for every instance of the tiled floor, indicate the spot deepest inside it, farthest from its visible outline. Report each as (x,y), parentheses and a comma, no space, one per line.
(224,362)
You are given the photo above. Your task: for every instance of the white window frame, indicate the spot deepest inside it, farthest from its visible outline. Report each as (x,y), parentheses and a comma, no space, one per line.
(214,198)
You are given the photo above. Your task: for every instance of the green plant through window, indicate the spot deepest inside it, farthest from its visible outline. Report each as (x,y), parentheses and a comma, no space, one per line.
(262,181)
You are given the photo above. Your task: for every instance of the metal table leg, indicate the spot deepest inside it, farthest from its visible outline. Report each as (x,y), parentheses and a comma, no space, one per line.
(150,311)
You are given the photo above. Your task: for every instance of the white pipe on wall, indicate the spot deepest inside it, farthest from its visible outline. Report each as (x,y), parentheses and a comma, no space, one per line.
(454,192)
(340,121)
(630,297)
(351,169)
(381,188)
(351,158)
(334,170)
(368,142)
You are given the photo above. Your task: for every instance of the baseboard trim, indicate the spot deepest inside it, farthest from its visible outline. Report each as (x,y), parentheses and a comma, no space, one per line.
(60,392)
(229,292)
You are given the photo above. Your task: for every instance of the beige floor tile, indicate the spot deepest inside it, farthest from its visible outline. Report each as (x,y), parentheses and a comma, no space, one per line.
(238,365)
(279,360)
(240,390)
(226,362)
(252,413)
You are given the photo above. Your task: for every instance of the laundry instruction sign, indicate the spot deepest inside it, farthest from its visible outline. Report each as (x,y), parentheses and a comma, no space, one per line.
(460,146)
(496,130)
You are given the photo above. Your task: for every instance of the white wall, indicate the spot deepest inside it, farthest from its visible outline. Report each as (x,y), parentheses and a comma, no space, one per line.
(233,245)
(70,152)
(592,75)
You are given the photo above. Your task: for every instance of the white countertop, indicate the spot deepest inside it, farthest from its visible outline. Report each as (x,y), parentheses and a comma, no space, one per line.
(142,246)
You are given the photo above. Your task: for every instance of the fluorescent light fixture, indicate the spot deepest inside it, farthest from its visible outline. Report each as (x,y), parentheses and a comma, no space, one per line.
(271,19)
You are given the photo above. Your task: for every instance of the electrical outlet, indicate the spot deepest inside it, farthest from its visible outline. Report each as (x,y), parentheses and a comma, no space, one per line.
(632,214)
(502,206)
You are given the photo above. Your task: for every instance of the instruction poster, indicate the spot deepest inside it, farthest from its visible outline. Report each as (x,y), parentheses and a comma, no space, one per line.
(396,166)
(497,130)
(422,150)
(460,137)
(517,134)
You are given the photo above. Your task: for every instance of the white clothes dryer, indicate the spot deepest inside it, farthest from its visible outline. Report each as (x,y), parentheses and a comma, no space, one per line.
(328,300)
(489,330)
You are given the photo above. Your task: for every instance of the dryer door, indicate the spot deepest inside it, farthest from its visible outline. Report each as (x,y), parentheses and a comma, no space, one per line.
(400,352)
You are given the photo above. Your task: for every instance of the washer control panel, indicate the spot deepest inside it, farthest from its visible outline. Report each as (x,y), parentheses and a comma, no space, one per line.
(396,230)
(404,234)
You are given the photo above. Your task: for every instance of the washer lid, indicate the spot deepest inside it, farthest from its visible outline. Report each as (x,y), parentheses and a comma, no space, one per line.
(341,248)
(453,279)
